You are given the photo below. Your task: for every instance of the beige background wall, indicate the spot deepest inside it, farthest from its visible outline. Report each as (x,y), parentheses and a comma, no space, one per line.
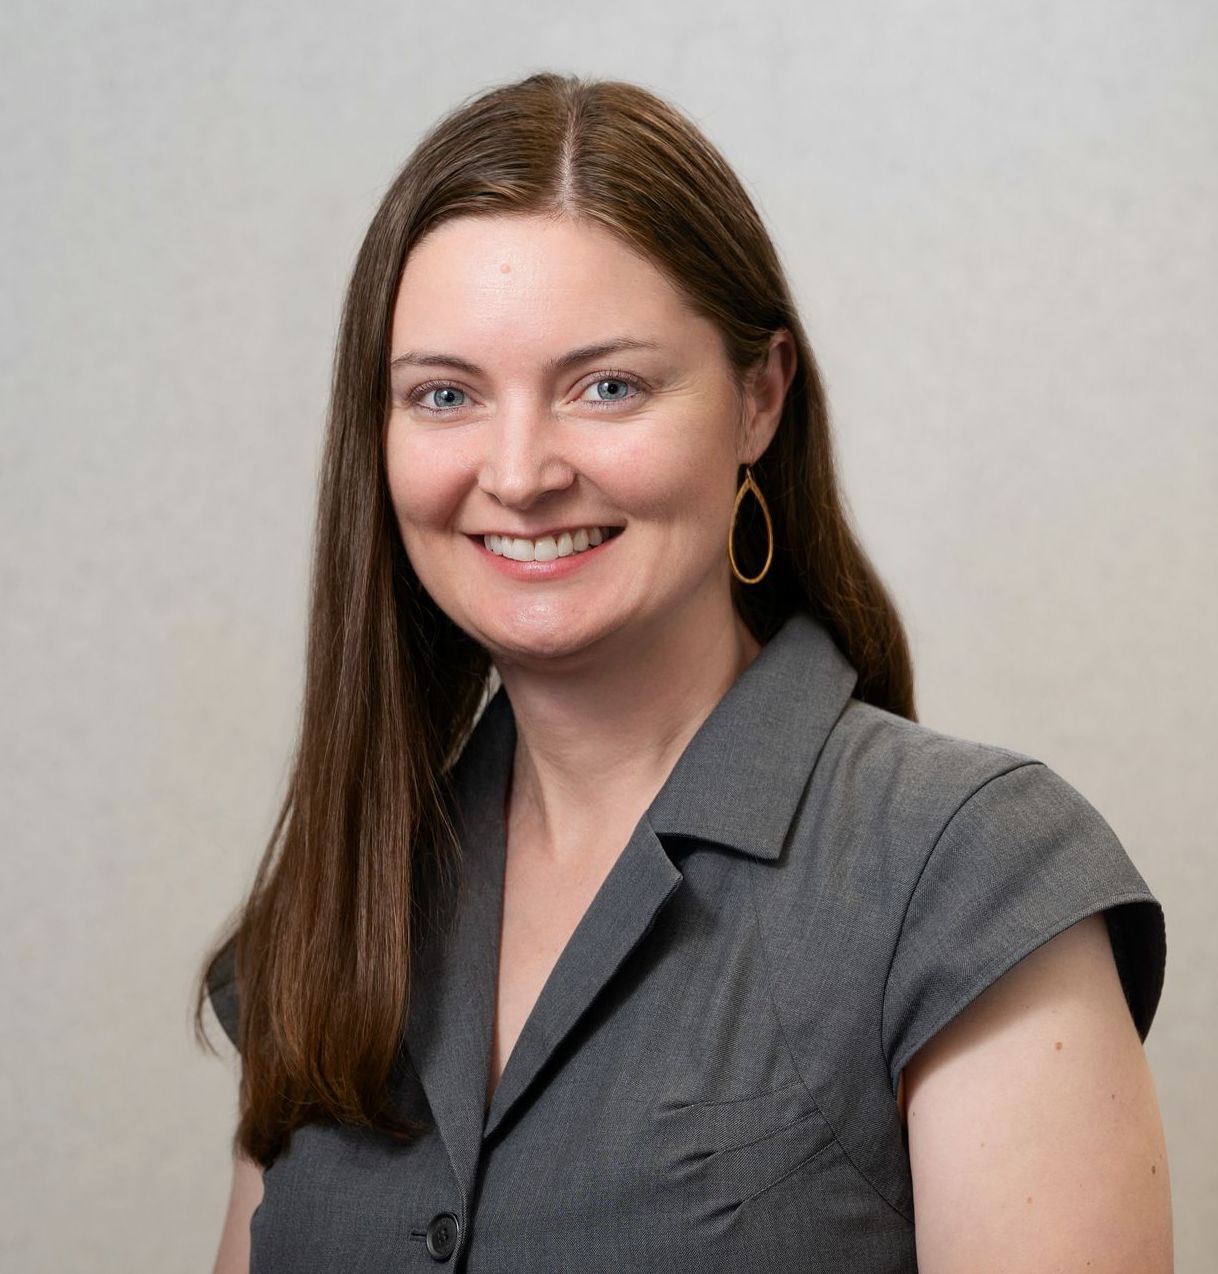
(1001,221)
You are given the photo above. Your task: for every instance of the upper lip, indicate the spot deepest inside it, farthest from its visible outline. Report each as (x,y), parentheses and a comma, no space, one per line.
(555,531)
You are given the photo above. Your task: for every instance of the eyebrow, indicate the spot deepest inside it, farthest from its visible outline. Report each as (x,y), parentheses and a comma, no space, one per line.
(423,358)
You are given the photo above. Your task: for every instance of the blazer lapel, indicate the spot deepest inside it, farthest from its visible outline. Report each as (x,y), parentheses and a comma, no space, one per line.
(453,991)
(453,996)
(640,882)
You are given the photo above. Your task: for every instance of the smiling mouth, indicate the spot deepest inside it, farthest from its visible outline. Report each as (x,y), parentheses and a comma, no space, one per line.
(547,548)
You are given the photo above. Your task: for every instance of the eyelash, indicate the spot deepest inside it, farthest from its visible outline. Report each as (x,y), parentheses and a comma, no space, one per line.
(420,391)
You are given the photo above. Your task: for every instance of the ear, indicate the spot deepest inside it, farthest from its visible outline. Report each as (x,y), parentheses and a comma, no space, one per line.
(765,395)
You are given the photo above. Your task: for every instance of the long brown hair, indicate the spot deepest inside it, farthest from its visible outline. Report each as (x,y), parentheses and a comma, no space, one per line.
(322,947)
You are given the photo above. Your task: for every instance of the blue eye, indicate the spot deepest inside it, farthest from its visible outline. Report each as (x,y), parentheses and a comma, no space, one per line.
(622,383)
(434,388)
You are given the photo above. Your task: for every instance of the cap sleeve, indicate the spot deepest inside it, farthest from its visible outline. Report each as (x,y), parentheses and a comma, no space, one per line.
(1024,857)
(222,992)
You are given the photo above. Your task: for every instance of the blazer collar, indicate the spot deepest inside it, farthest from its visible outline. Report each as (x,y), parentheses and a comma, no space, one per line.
(742,774)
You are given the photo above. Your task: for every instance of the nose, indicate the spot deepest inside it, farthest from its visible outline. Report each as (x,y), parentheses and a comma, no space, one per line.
(524,460)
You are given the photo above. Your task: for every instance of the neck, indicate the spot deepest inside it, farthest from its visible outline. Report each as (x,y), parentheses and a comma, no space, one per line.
(597,735)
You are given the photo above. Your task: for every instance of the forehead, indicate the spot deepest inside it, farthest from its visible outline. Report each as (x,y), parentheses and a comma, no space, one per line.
(535,282)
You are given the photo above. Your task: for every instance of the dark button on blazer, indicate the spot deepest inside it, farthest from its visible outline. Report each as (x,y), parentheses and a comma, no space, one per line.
(707,1081)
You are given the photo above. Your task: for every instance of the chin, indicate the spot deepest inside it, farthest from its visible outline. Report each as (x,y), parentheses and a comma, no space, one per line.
(522,643)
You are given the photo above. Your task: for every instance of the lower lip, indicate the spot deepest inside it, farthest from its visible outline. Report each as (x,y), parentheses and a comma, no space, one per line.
(559,568)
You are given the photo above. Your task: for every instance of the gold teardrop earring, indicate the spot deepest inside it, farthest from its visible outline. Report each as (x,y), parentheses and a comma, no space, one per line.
(746,485)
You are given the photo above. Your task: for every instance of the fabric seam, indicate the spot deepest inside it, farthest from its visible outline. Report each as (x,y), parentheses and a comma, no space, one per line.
(913,893)
(782,1030)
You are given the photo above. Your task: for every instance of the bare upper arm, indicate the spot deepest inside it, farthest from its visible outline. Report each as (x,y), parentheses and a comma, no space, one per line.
(1035,1139)
(244,1196)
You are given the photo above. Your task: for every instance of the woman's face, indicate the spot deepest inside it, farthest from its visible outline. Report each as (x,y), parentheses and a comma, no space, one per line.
(548,382)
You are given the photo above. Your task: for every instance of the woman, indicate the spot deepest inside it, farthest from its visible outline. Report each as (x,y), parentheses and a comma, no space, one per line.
(692,949)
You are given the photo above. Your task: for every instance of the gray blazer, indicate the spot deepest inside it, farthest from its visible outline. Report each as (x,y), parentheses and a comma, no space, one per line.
(707,1081)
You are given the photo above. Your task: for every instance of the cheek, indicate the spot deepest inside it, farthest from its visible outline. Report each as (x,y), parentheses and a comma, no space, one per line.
(686,485)
(426,479)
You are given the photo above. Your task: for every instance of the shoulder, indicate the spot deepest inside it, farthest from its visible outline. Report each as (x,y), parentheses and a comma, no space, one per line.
(900,818)
(942,825)
(902,782)
(974,855)
(886,741)
(937,804)
(940,861)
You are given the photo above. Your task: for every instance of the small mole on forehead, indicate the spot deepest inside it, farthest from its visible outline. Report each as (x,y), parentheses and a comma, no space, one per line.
(505,268)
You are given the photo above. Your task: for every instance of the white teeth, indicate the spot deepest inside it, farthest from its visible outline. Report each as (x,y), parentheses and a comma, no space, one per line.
(547,548)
